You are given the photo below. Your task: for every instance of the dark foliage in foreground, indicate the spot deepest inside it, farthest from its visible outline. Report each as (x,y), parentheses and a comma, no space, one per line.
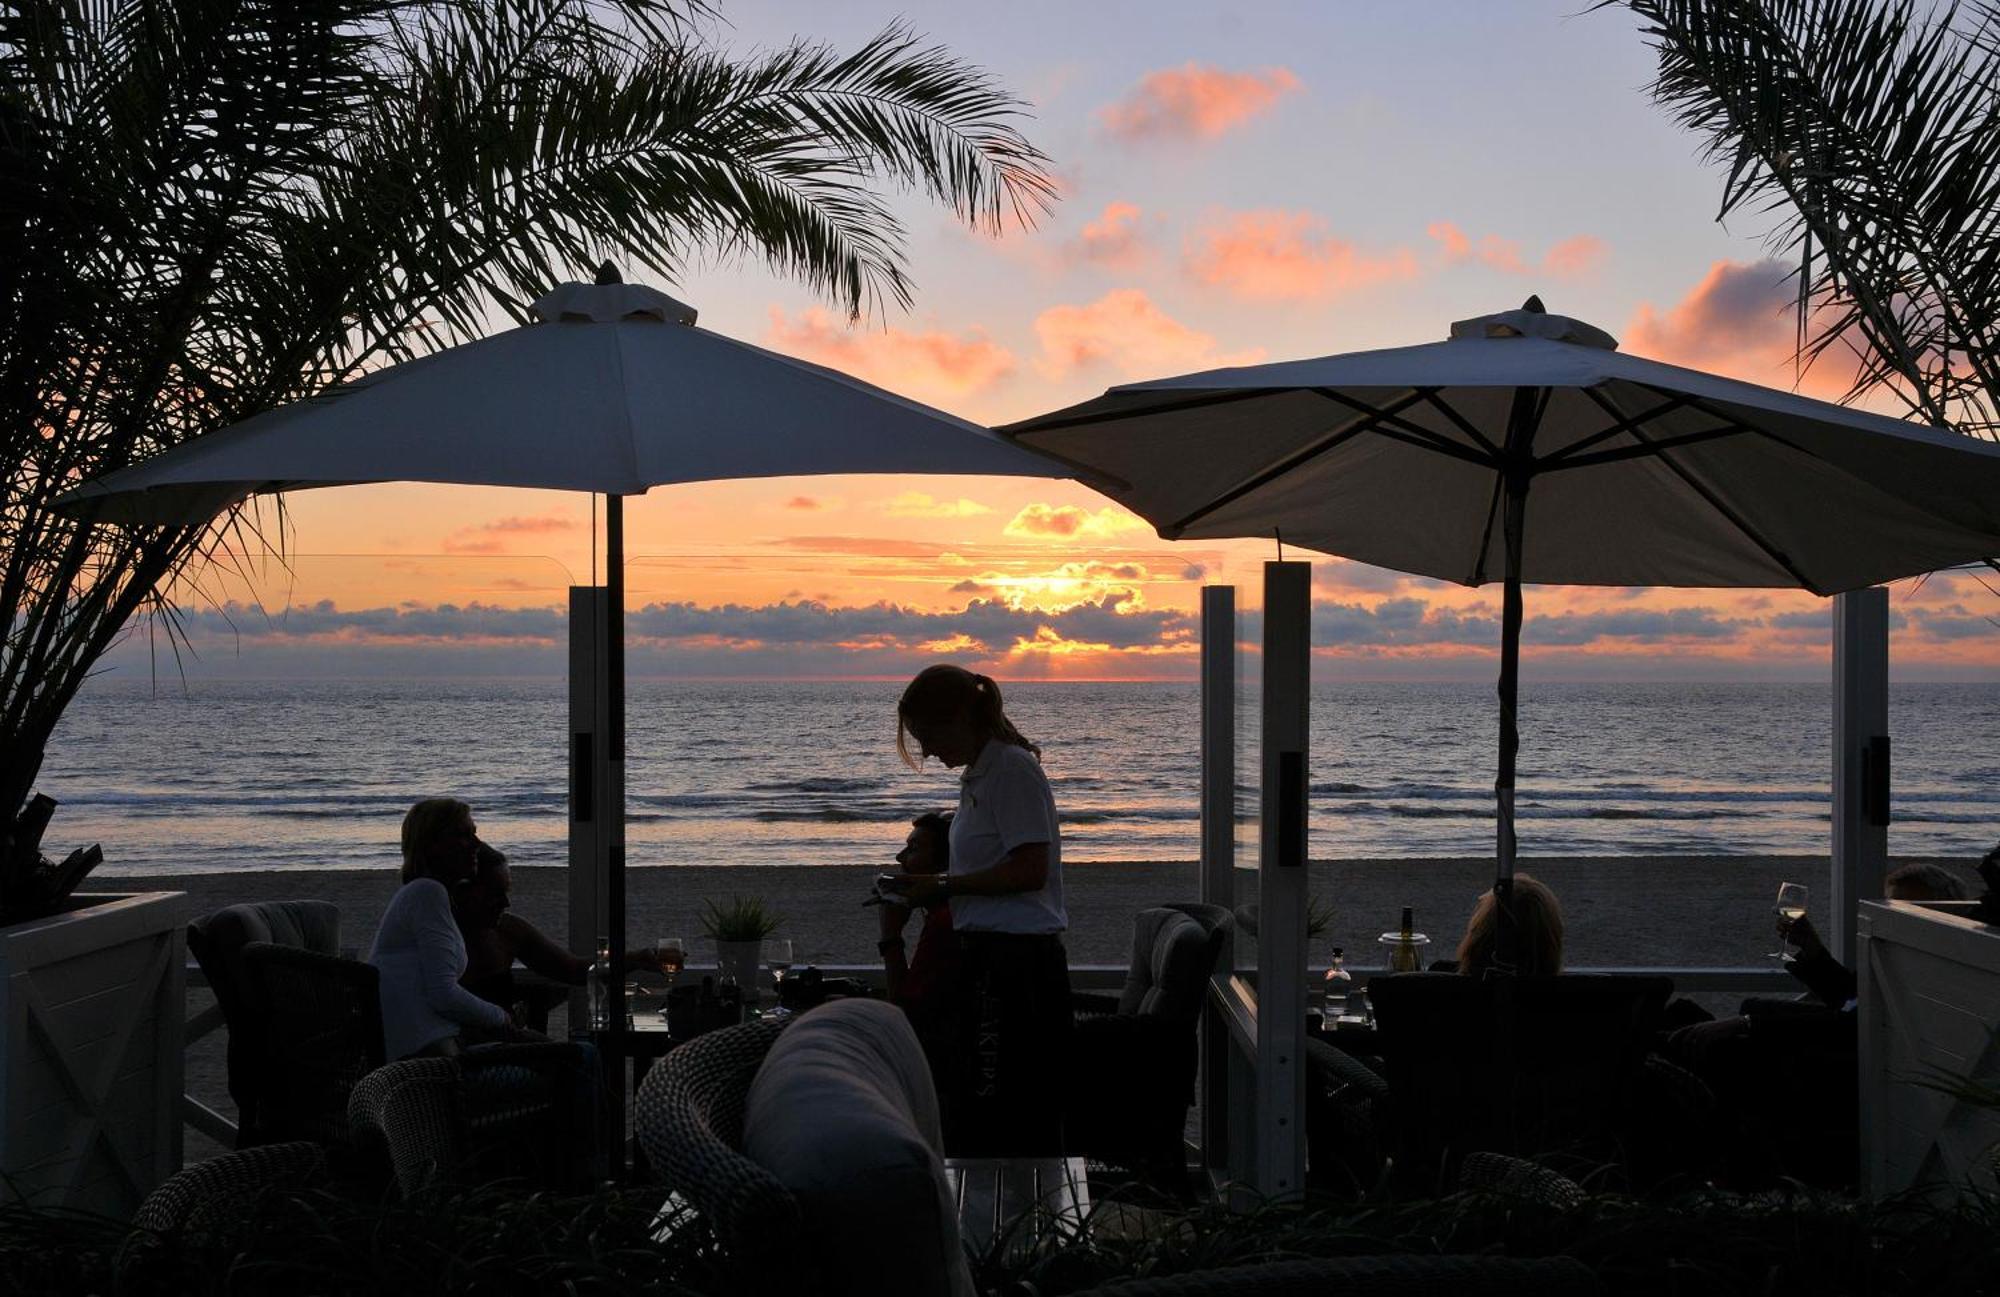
(495,1241)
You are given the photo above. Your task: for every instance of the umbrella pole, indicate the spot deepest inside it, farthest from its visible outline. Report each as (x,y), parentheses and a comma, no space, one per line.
(1516,472)
(614,881)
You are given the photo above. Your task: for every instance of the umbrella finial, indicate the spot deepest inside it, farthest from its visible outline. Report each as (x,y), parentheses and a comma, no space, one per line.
(608,274)
(1534,303)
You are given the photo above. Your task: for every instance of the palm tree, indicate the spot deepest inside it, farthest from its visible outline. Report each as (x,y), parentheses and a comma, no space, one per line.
(211,207)
(1870,130)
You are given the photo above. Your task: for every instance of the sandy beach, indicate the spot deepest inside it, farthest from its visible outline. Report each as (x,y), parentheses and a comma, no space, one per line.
(1696,911)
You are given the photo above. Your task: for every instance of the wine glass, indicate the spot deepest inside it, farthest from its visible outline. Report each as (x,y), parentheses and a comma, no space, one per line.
(778,955)
(1791,907)
(672,953)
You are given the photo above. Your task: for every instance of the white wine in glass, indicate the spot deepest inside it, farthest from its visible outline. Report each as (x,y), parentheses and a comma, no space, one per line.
(1791,907)
(778,954)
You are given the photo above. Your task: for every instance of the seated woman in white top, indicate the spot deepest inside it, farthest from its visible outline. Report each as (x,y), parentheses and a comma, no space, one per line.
(1005,889)
(418,949)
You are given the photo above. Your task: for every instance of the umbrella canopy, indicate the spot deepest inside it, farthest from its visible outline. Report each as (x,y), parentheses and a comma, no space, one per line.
(1643,473)
(1527,449)
(613,389)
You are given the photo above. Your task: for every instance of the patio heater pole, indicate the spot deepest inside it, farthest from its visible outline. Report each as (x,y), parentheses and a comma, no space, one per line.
(614,881)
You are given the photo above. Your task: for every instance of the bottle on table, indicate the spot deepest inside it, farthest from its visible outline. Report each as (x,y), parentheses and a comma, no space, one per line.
(1339,984)
(598,981)
(1406,945)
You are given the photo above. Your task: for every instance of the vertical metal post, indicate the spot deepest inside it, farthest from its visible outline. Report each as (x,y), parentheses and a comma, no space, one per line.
(588,727)
(614,826)
(1218,845)
(1281,883)
(1860,760)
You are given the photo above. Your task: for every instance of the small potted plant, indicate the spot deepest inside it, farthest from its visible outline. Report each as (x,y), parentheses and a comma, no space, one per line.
(739,926)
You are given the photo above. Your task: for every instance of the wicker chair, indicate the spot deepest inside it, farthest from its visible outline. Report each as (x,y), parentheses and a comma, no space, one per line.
(509,1112)
(1516,1178)
(318,1031)
(1374,1276)
(217,1192)
(1534,1066)
(690,1124)
(1140,1050)
(1347,1126)
(217,942)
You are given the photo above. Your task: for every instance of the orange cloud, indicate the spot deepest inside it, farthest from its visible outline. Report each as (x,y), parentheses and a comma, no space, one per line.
(1115,240)
(931,366)
(1741,321)
(804,502)
(1126,330)
(490,537)
(1196,102)
(919,504)
(1571,258)
(1070,522)
(1287,256)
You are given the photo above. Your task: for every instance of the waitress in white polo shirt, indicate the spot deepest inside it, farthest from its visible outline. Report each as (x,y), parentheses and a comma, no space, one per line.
(1006,896)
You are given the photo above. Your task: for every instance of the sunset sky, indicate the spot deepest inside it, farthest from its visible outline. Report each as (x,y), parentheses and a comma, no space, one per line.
(1239,183)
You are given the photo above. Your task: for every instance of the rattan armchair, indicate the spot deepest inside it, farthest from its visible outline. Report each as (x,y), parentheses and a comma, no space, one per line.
(690,1125)
(318,1031)
(505,1112)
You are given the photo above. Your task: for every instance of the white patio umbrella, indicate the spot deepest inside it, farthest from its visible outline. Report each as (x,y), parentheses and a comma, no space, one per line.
(1527,448)
(612,389)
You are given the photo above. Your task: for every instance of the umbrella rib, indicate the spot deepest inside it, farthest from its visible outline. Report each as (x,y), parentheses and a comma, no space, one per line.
(1289,464)
(1486,532)
(1625,423)
(1642,450)
(1715,502)
(1030,427)
(1404,431)
(1462,423)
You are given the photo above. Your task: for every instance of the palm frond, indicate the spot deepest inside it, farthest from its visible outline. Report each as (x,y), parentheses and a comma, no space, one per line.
(1868,131)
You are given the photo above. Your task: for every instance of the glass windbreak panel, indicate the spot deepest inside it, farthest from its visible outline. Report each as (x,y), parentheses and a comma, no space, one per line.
(284,716)
(1249,759)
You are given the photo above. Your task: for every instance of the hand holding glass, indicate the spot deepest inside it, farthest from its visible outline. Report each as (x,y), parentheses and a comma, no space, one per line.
(1790,908)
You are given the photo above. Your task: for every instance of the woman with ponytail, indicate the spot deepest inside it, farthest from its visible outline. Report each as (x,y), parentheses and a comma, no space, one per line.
(1004,887)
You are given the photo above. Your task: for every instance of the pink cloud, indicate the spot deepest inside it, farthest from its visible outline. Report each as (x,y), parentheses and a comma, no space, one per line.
(932,365)
(1196,102)
(1126,330)
(1116,240)
(490,537)
(1576,256)
(1741,321)
(1570,258)
(1287,256)
(803,502)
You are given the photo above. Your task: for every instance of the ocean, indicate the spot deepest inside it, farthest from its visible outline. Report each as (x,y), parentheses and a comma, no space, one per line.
(315,775)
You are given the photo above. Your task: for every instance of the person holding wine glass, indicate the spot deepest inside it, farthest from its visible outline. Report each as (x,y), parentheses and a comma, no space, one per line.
(495,937)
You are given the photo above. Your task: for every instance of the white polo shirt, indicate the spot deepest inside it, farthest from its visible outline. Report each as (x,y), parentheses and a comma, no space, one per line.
(1004,802)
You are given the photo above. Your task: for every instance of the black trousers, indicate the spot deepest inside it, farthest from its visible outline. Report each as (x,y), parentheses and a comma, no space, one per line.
(1014,1024)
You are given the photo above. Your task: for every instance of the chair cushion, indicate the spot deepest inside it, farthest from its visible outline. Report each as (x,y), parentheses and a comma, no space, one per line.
(843,1113)
(1170,965)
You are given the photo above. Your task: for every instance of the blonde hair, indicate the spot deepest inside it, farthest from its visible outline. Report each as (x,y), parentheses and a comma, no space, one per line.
(1538,929)
(945,692)
(426,822)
